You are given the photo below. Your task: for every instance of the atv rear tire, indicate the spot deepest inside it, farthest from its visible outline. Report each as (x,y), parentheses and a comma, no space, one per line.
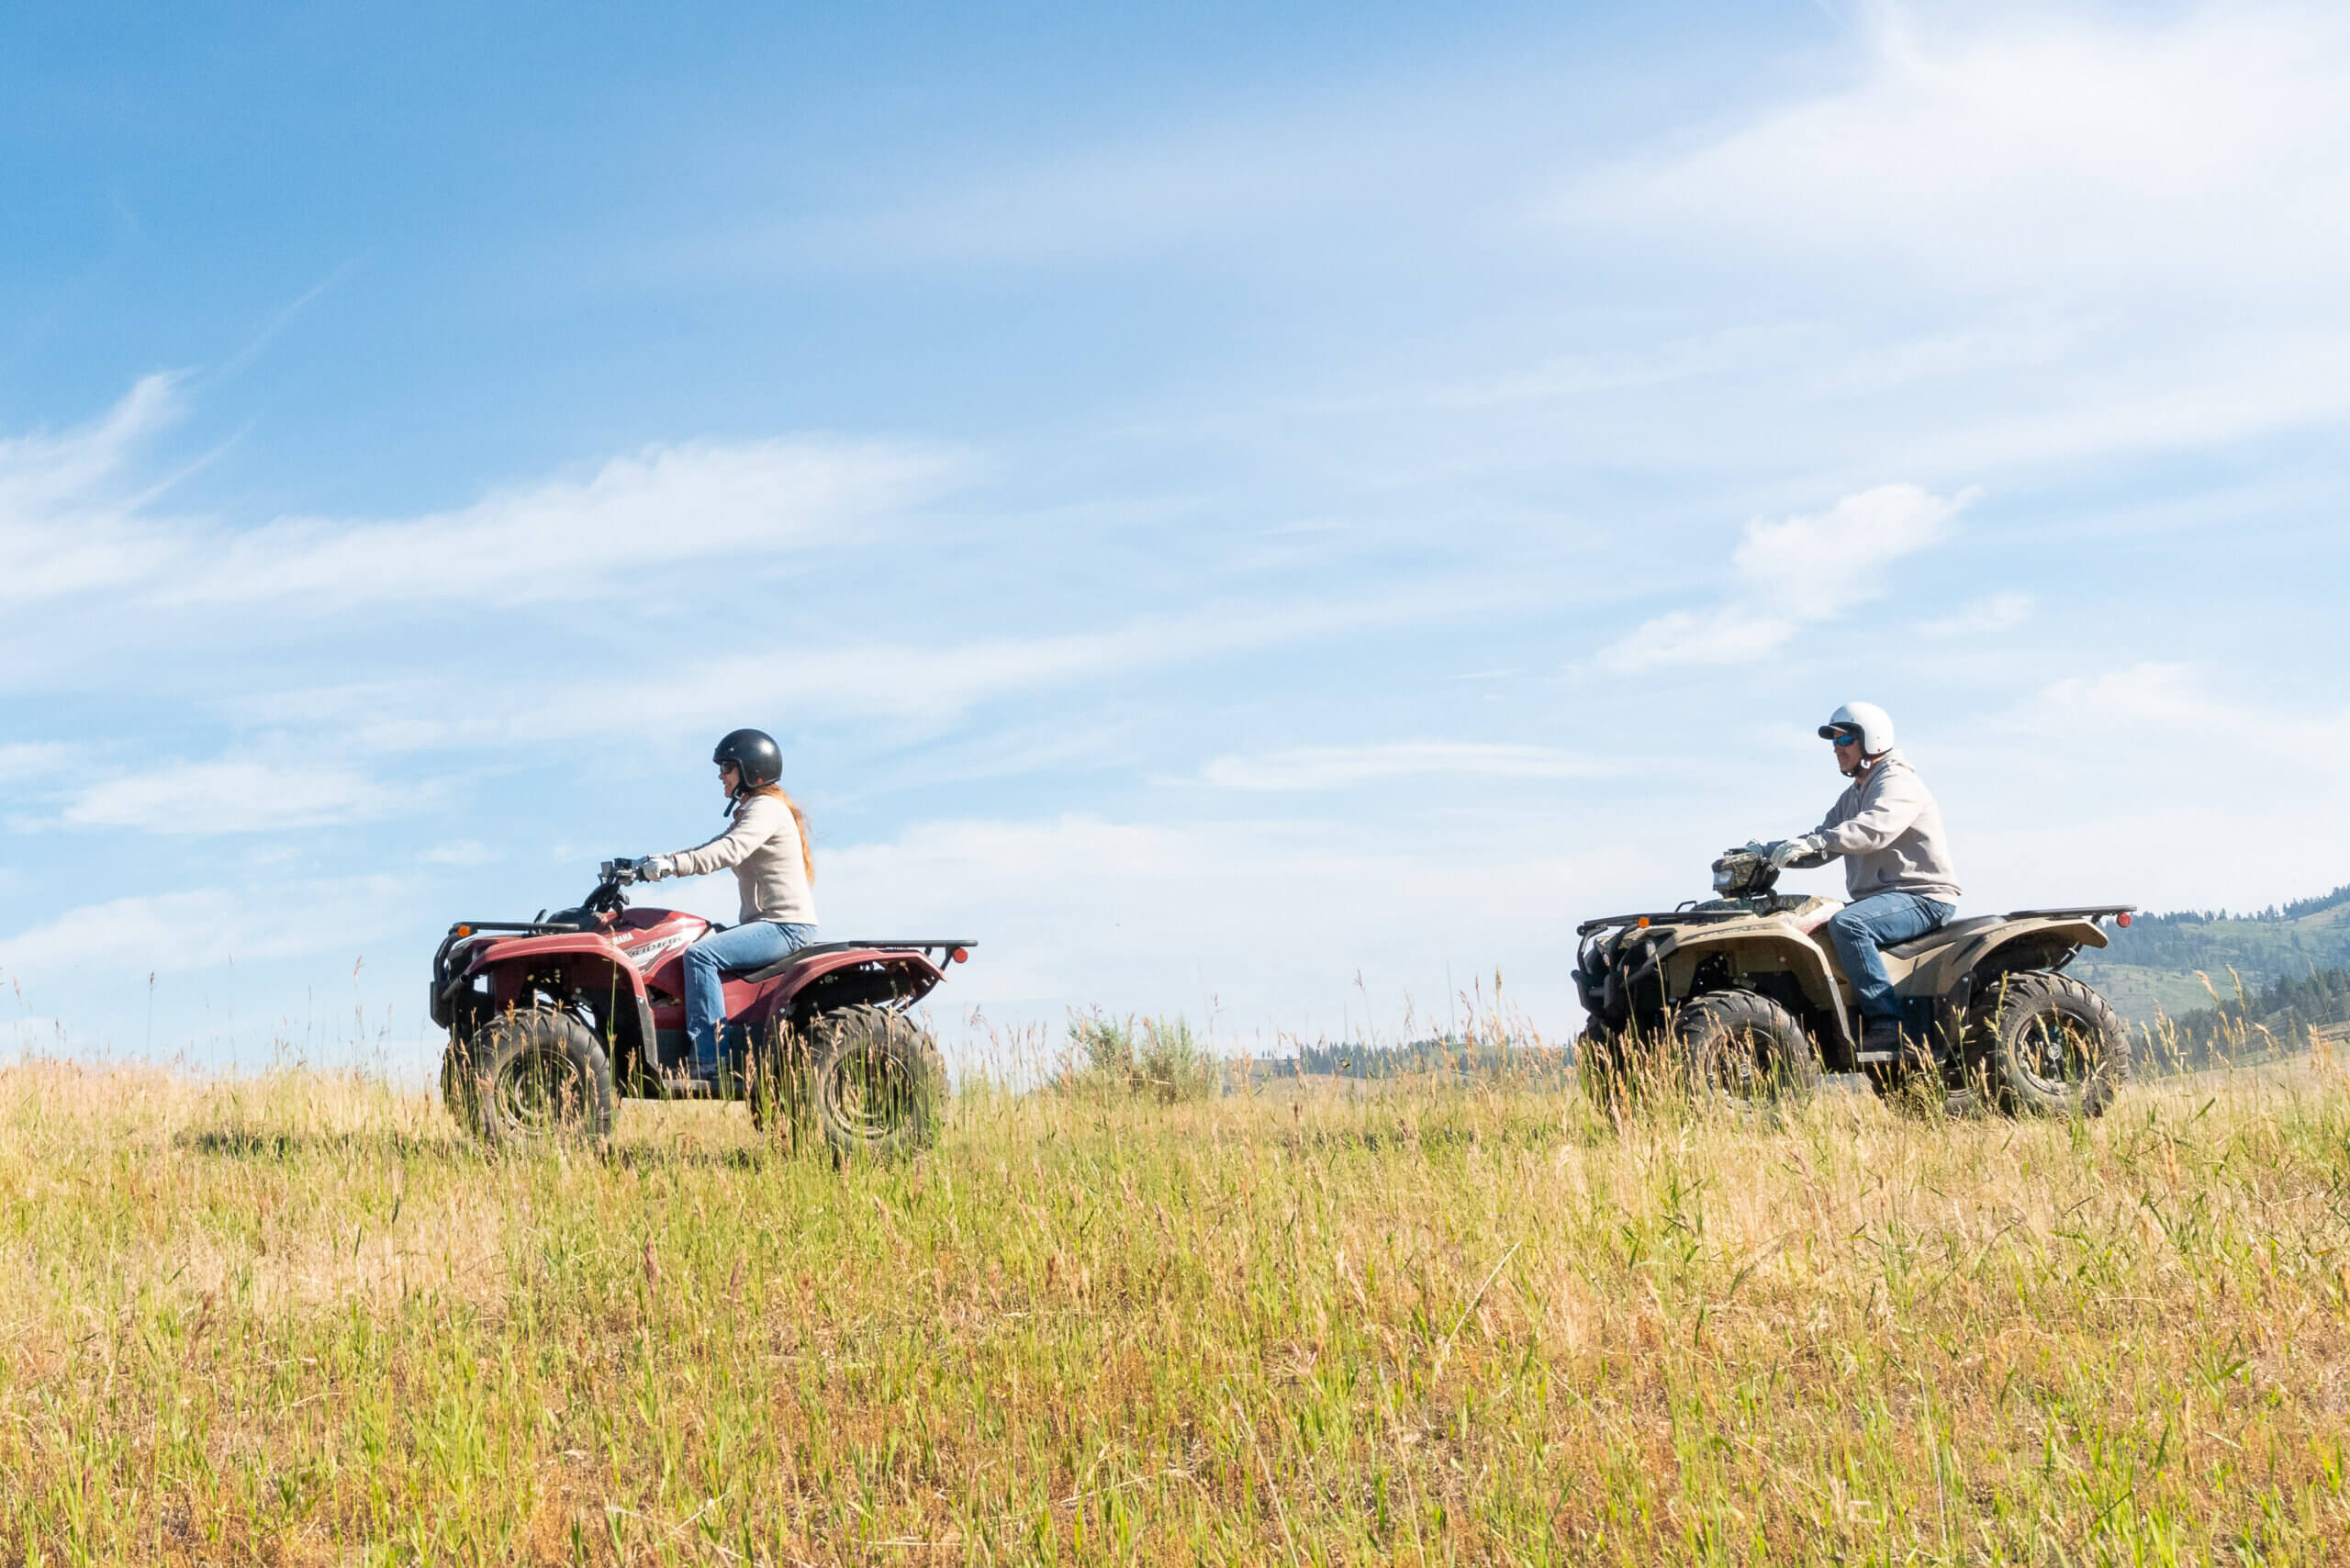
(879,1082)
(1741,1049)
(2048,1046)
(531,1077)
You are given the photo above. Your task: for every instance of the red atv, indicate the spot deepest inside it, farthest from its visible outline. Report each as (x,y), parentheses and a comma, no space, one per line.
(548,1018)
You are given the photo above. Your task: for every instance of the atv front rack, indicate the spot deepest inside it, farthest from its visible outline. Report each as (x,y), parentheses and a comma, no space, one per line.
(1678,917)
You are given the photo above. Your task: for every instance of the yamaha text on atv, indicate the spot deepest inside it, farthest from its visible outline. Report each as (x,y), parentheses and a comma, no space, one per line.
(1742,998)
(549,1019)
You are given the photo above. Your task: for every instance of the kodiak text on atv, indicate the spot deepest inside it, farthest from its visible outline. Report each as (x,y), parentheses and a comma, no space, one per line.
(549,1019)
(1740,998)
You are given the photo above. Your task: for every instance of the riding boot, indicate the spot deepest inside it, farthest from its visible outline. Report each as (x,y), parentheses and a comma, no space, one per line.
(1882,1035)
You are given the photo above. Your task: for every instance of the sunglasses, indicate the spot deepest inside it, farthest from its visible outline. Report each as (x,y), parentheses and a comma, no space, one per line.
(1845,739)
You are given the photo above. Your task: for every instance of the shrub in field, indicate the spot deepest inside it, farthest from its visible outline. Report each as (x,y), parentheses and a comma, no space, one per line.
(1156,1059)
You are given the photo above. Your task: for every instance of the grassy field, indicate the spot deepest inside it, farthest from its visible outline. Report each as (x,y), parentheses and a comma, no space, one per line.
(293,1319)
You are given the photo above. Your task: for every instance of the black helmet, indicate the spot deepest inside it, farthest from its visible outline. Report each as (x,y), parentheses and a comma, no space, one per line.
(757,760)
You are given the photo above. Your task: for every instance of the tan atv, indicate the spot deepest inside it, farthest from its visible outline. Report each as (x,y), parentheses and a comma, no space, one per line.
(1742,997)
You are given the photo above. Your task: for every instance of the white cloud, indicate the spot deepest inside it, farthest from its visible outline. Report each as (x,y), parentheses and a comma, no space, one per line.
(64,525)
(237,797)
(172,932)
(36,759)
(1327,767)
(2194,146)
(42,473)
(1983,617)
(1791,573)
(2161,717)
(637,516)
(67,528)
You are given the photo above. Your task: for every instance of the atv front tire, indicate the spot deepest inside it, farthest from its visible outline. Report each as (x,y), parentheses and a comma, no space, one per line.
(879,1082)
(531,1077)
(2048,1046)
(1742,1049)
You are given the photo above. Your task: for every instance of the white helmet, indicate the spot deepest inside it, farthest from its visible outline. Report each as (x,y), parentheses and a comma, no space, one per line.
(1875,727)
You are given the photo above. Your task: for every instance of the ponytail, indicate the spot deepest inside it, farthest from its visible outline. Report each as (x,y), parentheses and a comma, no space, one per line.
(807,856)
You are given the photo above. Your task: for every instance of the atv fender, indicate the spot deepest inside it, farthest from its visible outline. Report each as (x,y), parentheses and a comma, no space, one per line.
(1754,951)
(592,964)
(833,980)
(2053,941)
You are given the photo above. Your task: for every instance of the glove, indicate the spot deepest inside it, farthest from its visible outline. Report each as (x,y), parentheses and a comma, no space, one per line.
(652,868)
(1787,851)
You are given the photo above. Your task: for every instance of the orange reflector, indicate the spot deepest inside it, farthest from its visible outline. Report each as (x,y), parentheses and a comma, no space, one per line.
(2122,919)
(465,931)
(957,956)
(1644,923)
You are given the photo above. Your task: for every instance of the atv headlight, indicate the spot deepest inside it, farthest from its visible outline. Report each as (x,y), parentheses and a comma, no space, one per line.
(1725,878)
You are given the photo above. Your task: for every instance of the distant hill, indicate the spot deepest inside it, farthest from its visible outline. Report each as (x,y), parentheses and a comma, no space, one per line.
(2152,967)
(2274,1021)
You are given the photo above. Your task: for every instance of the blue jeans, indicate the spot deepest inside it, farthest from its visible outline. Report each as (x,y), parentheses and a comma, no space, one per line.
(754,945)
(1858,930)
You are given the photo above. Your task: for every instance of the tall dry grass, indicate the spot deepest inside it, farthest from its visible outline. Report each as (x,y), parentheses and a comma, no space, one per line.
(295,1319)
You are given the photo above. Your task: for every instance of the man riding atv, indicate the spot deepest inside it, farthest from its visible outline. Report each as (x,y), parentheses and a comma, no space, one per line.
(1897,869)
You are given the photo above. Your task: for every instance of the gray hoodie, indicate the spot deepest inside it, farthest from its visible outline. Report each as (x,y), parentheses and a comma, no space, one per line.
(764,848)
(1889,831)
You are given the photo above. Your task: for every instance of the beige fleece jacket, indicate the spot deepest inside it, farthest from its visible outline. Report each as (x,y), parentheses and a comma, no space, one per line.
(763,846)
(1889,831)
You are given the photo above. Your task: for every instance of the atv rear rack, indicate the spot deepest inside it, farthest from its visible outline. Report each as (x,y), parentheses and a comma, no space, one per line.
(2079,910)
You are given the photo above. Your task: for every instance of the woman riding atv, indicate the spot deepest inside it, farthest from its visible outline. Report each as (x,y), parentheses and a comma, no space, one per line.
(768,847)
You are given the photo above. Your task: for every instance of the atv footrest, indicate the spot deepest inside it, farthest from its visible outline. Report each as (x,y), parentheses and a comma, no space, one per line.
(1874,1058)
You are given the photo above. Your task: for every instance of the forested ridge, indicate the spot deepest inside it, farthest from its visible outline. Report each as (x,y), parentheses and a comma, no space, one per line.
(2283,941)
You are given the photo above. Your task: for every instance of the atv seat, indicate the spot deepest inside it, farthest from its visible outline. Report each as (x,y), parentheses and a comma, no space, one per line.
(1943,934)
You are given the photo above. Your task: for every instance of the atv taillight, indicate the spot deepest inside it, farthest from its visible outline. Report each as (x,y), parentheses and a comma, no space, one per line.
(959,955)
(2121,919)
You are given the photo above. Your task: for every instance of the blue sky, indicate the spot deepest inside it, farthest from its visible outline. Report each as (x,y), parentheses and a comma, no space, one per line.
(1267,513)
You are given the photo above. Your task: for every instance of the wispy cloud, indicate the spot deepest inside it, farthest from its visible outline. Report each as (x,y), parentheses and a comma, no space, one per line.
(70,525)
(279,319)
(1792,572)
(238,797)
(201,928)
(1332,768)
(65,524)
(636,518)
(2197,146)
(1983,617)
(37,760)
